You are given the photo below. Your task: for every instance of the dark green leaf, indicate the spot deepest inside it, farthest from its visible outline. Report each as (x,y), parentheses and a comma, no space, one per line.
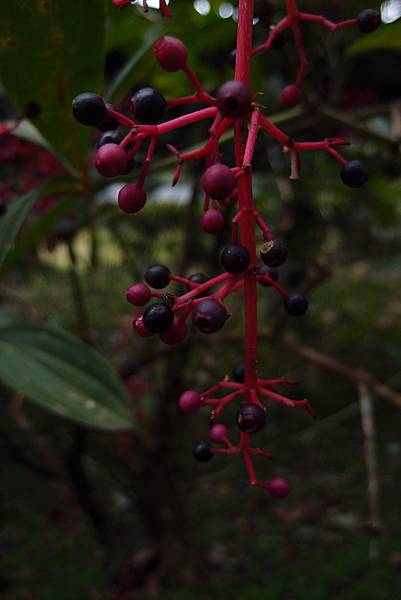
(11,221)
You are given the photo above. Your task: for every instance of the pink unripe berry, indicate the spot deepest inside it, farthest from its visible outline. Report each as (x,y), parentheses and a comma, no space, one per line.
(176,333)
(278,487)
(212,221)
(139,294)
(111,160)
(131,198)
(218,181)
(171,53)
(218,432)
(189,401)
(140,328)
(291,96)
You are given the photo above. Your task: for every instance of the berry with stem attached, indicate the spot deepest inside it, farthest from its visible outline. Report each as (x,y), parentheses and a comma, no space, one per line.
(158,317)
(251,418)
(218,433)
(368,20)
(209,316)
(218,181)
(171,53)
(278,487)
(235,258)
(234,99)
(157,276)
(296,305)
(202,452)
(111,160)
(88,109)
(131,198)
(212,221)
(190,401)
(138,294)
(148,105)
(354,173)
(274,253)
(270,272)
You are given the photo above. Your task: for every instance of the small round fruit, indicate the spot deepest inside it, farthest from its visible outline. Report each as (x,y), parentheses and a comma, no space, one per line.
(296,305)
(218,181)
(111,160)
(138,294)
(88,109)
(251,418)
(109,137)
(189,401)
(278,487)
(171,53)
(157,276)
(354,173)
(212,221)
(209,316)
(239,373)
(235,258)
(270,272)
(274,253)
(368,20)
(148,105)
(291,96)
(175,334)
(158,317)
(131,198)
(198,278)
(140,328)
(107,123)
(218,432)
(202,452)
(234,99)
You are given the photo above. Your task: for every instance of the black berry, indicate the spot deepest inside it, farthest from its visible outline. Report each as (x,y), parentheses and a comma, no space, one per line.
(107,123)
(274,253)
(354,173)
(239,373)
(235,258)
(368,20)
(270,272)
(88,109)
(251,418)
(234,99)
(198,278)
(209,316)
(148,105)
(157,276)
(296,304)
(110,137)
(158,317)
(202,452)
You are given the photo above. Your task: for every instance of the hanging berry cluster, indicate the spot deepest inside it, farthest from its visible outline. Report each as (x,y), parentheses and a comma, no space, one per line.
(234,107)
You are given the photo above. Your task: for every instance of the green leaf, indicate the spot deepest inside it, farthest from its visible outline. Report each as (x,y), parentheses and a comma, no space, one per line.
(50,51)
(387,37)
(11,221)
(64,376)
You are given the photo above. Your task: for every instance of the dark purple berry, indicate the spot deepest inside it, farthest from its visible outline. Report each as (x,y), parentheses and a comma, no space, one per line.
(109,137)
(234,99)
(296,305)
(218,181)
(251,418)
(111,160)
(148,105)
(171,53)
(368,20)
(239,373)
(158,317)
(235,258)
(209,316)
(88,109)
(198,278)
(157,276)
(270,272)
(202,452)
(274,253)
(354,173)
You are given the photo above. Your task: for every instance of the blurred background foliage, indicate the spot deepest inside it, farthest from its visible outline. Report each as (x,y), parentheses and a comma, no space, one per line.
(89,513)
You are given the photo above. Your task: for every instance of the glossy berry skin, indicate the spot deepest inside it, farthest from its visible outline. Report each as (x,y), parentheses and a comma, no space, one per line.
(107,123)
(140,328)
(202,452)
(296,305)
(234,99)
(274,253)
(109,137)
(291,96)
(131,198)
(189,401)
(218,432)
(251,418)
(148,105)
(235,258)
(209,316)
(278,487)
(270,272)
(212,221)
(239,373)
(368,20)
(218,181)
(157,276)
(138,294)
(354,173)
(111,160)
(175,334)
(88,109)
(171,53)
(158,317)
(198,278)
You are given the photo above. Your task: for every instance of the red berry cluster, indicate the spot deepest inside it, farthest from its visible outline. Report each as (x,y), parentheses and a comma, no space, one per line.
(204,298)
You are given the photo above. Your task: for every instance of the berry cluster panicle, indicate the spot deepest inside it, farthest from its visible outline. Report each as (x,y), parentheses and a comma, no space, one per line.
(234,107)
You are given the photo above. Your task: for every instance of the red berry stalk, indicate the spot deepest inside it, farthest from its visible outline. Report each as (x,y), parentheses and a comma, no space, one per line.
(167,315)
